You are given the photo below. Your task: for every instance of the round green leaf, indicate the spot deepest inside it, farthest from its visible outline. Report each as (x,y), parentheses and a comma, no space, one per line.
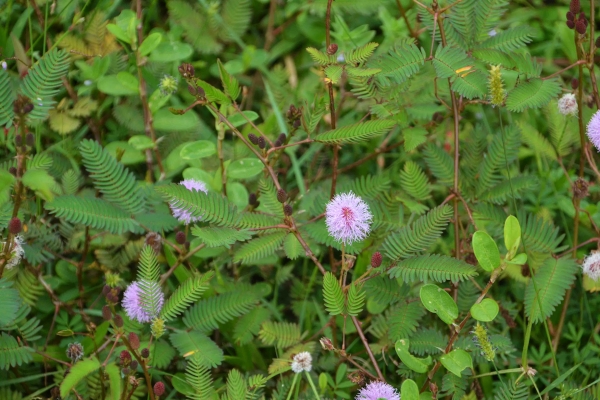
(111,85)
(171,51)
(419,365)
(485,311)
(237,194)
(409,390)
(486,251)
(244,168)
(165,120)
(519,259)
(130,155)
(512,234)
(456,361)
(197,174)
(239,120)
(198,149)
(141,142)
(150,43)
(438,301)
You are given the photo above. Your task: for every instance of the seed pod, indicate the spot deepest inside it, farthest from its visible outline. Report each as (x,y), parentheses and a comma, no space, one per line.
(261,142)
(580,27)
(27,108)
(75,351)
(287,210)
(154,240)
(296,123)
(253,138)
(326,343)
(252,199)
(134,340)
(145,353)
(332,49)
(180,237)
(15,226)
(30,139)
(159,389)
(118,321)
(574,83)
(580,188)
(281,196)
(106,313)
(376,259)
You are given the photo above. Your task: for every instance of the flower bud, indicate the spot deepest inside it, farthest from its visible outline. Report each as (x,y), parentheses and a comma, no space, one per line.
(106,290)
(580,188)
(282,137)
(154,240)
(158,328)
(118,320)
(192,90)
(277,143)
(159,389)
(574,83)
(15,226)
(106,313)
(75,351)
(145,353)
(575,6)
(180,237)
(18,140)
(125,357)
(281,196)
(13,171)
(332,49)
(134,364)
(376,259)
(326,343)
(252,199)
(186,70)
(297,124)
(27,108)
(287,210)
(580,26)
(134,340)
(571,24)
(253,138)
(30,139)
(570,16)
(261,142)
(126,371)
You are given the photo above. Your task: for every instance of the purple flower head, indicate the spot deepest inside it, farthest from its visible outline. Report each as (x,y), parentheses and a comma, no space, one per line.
(182,214)
(348,218)
(377,391)
(134,305)
(593,130)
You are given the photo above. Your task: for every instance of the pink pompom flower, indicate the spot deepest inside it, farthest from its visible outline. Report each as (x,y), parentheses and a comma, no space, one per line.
(182,214)
(593,130)
(591,266)
(348,218)
(133,301)
(377,391)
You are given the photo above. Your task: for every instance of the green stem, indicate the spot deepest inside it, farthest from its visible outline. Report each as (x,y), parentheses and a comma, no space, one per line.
(526,345)
(312,385)
(289,396)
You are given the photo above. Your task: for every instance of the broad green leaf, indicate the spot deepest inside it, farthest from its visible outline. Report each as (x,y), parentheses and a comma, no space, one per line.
(141,142)
(439,302)
(197,150)
(111,85)
(485,311)
(409,390)
(129,81)
(237,194)
(512,235)
(456,361)
(157,100)
(181,385)
(230,84)
(40,181)
(486,251)
(244,168)
(519,259)
(78,372)
(239,120)
(164,120)
(114,379)
(150,43)
(419,365)
(10,301)
(171,51)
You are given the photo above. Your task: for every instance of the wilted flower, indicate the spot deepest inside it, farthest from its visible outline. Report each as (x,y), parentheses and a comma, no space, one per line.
(182,214)
(377,391)
(591,266)
(497,92)
(567,105)
(75,351)
(593,130)
(168,85)
(158,327)
(302,362)
(348,218)
(16,252)
(480,337)
(134,305)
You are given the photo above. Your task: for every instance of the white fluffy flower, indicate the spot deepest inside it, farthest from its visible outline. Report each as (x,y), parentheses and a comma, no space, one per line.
(16,252)
(591,266)
(567,105)
(302,362)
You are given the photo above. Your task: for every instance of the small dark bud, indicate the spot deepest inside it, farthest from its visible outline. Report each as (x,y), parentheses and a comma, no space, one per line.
(106,313)
(15,226)
(287,210)
(376,259)
(187,244)
(525,270)
(571,24)
(332,49)
(574,83)
(438,117)
(145,353)
(598,42)
(281,196)
(134,365)
(13,171)
(192,90)
(252,199)
(570,16)
(582,16)
(125,356)
(186,70)
(580,188)
(159,389)
(180,237)
(357,377)
(106,290)
(296,124)
(154,240)
(134,340)
(200,92)
(18,140)
(282,137)
(261,142)
(585,22)
(575,6)
(75,351)
(253,138)
(277,143)
(118,321)
(30,139)
(111,297)
(126,371)
(27,108)
(580,27)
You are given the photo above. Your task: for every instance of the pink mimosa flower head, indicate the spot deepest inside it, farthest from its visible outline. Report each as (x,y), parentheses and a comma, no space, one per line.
(302,362)
(591,266)
(377,391)
(134,305)
(348,218)
(593,130)
(182,214)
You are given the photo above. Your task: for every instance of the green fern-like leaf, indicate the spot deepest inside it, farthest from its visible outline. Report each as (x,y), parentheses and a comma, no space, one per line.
(148,268)
(510,40)
(150,297)
(511,391)
(259,248)
(212,93)
(334,73)
(199,378)
(92,212)
(535,93)
(321,58)
(207,314)
(268,199)
(7,97)
(210,207)
(44,81)
(419,235)
(539,235)
(361,54)
(552,279)
(384,291)
(256,220)
(501,192)
(356,300)
(333,295)
(77,373)
(448,60)
(414,181)
(230,84)
(428,341)
(220,236)
(507,143)
(117,184)
(404,319)
(435,267)
(357,132)
(399,64)
(439,162)
(236,385)
(187,293)
(454,386)
(249,325)
(280,334)
(10,302)
(191,21)
(236,16)
(197,346)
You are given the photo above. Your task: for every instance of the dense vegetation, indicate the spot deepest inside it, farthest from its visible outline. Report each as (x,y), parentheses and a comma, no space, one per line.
(277,199)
